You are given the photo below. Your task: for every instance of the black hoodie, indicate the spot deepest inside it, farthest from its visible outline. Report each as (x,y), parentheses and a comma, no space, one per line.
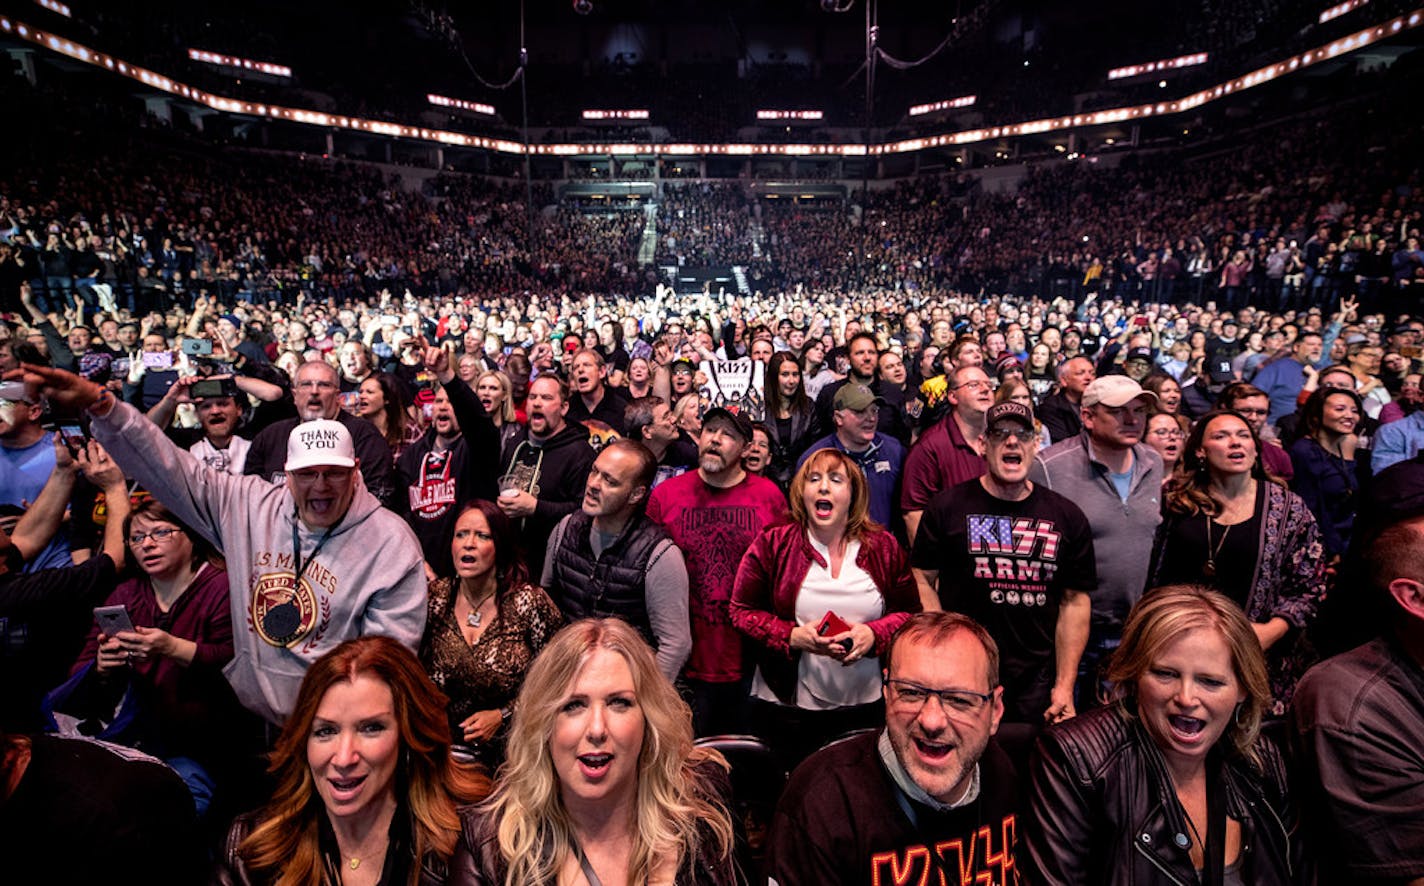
(555,471)
(433,488)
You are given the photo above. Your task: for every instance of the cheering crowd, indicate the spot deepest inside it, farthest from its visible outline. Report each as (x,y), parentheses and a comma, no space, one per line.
(355,535)
(1092,526)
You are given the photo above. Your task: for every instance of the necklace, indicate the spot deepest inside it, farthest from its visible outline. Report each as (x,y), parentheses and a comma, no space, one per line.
(1209,568)
(475,616)
(354,861)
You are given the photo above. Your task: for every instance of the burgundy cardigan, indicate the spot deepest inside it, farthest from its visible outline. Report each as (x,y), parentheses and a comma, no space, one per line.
(772,572)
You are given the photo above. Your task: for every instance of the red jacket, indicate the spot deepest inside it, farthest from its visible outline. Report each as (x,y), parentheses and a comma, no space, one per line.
(770,576)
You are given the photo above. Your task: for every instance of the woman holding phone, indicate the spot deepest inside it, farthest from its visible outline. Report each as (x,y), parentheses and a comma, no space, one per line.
(168,659)
(820,597)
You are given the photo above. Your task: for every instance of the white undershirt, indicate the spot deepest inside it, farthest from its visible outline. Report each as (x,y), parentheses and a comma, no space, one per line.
(232,459)
(823,682)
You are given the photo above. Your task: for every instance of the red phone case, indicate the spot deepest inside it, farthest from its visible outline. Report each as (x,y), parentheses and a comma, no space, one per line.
(831,624)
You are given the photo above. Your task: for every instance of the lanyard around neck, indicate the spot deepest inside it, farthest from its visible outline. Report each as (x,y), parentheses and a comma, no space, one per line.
(297,549)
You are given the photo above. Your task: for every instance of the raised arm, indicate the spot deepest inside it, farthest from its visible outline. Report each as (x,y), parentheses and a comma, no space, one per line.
(42,519)
(197,494)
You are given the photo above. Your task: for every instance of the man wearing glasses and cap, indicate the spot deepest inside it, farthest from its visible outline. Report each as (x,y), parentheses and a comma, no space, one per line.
(932,798)
(1018,558)
(312,562)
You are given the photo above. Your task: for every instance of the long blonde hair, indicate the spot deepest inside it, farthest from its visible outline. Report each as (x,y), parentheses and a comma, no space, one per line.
(506,407)
(534,833)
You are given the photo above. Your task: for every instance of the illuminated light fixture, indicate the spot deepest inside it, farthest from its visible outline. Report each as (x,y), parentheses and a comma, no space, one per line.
(232,61)
(1333,12)
(1346,44)
(447,102)
(790,115)
(54,6)
(637,114)
(1171,64)
(948,104)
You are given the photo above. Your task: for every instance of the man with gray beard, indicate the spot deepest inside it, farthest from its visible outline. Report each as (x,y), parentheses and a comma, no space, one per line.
(713,514)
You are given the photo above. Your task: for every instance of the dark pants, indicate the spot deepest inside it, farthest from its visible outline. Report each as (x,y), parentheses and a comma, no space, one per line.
(717,708)
(1093,689)
(793,733)
(1027,699)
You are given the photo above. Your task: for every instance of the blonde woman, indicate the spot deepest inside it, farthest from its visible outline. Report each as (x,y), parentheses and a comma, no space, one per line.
(496,393)
(1172,782)
(601,783)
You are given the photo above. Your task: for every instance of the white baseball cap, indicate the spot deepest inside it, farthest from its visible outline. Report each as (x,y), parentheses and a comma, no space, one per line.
(1115,390)
(319,443)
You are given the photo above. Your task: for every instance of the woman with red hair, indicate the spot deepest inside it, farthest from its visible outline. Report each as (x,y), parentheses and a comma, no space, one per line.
(366,786)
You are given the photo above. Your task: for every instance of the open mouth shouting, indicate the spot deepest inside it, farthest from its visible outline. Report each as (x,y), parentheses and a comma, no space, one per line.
(1187,730)
(346,789)
(595,766)
(932,752)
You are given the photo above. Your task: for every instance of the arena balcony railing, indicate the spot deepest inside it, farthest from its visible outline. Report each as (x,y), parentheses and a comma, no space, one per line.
(1283,67)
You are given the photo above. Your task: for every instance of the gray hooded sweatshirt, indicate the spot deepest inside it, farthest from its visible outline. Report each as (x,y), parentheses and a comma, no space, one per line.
(367,578)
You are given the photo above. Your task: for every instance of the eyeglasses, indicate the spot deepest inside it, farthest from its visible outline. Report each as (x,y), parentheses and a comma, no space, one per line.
(1023,435)
(974,385)
(1169,433)
(158,535)
(957,703)
(309,384)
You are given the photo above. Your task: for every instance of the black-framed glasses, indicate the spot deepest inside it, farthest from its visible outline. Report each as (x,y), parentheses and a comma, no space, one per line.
(159,535)
(911,697)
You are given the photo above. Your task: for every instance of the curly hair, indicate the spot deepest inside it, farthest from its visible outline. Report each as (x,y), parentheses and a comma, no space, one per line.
(284,841)
(673,805)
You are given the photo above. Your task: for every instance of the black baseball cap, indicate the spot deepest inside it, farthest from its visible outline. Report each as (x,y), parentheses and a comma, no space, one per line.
(1010,411)
(740,423)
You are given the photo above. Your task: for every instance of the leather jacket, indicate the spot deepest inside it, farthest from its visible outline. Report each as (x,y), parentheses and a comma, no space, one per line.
(1103,810)
(231,869)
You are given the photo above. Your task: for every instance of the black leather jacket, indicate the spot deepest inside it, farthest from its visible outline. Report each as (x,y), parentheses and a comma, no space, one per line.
(1102,810)
(231,870)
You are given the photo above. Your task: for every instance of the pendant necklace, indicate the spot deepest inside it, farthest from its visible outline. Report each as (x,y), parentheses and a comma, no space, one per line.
(1209,568)
(355,860)
(475,616)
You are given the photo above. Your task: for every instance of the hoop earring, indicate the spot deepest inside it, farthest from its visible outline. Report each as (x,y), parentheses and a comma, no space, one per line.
(1236,717)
